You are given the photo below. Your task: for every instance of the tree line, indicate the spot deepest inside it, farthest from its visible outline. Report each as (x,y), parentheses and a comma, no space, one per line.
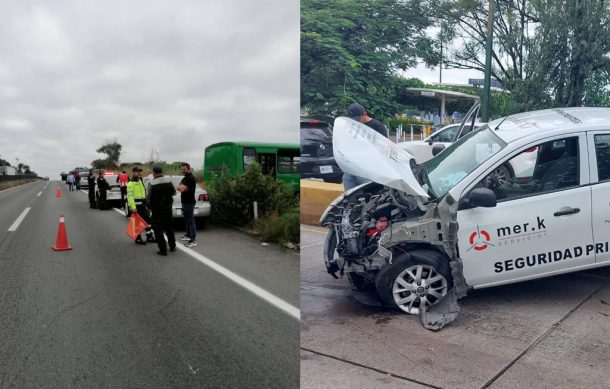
(21,168)
(546,53)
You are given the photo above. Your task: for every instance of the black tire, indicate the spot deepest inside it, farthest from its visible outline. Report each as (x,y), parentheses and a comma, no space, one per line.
(502,176)
(330,260)
(386,278)
(360,283)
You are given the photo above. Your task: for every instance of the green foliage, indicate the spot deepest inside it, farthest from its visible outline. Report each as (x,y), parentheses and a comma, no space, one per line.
(571,49)
(232,199)
(198,174)
(547,53)
(283,228)
(112,149)
(465,25)
(351,51)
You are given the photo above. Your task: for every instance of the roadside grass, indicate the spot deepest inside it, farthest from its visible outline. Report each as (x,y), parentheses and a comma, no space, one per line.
(233,199)
(284,229)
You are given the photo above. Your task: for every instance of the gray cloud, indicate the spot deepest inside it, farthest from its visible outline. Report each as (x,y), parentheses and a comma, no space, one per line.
(170,76)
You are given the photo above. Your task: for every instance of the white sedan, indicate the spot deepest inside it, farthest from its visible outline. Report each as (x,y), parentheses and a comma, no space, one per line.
(518,169)
(424,241)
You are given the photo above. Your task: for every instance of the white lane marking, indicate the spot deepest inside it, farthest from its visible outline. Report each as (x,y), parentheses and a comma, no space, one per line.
(17,222)
(260,292)
(39,193)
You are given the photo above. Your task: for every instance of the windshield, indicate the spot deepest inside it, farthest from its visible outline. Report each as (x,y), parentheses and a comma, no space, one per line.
(459,159)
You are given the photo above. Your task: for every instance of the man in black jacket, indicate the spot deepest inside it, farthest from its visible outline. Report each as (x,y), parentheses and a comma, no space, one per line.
(102,188)
(91,184)
(159,198)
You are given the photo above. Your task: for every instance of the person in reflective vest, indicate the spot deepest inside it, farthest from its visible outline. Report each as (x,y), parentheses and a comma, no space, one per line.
(136,196)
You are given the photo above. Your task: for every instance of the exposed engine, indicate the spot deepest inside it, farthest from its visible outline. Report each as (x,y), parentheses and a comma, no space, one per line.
(358,220)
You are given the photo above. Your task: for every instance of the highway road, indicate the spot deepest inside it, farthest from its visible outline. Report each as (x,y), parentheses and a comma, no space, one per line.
(113,314)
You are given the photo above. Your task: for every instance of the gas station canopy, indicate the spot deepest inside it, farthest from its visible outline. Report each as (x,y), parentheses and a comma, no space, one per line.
(443,95)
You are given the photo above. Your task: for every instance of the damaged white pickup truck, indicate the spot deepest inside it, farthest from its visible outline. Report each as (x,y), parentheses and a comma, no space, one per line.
(422,236)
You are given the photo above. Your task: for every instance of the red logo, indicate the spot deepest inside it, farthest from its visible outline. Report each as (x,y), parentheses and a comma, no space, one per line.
(479,240)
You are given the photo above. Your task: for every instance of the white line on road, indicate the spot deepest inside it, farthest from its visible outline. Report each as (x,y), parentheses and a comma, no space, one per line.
(17,222)
(260,292)
(39,193)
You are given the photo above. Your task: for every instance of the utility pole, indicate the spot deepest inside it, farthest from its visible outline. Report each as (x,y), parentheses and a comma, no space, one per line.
(440,68)
(485,99)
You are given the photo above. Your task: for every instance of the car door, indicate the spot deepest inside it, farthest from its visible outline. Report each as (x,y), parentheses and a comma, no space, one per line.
(599,150)
(422,149)
(539,226)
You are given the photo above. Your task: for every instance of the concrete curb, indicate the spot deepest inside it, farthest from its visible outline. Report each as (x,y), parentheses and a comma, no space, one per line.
(315,198)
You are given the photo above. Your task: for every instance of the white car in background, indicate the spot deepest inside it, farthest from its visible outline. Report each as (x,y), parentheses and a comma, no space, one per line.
(113,196)
(203,208)
(421,150)
(520,168)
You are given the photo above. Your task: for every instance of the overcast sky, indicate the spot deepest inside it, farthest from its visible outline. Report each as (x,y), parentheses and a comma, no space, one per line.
(450,76)
(173,76)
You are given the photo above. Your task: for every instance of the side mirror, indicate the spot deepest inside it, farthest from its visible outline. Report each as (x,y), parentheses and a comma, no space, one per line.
(479,197)
(437,148)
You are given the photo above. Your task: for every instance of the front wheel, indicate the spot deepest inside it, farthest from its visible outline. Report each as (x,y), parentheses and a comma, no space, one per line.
(414,279)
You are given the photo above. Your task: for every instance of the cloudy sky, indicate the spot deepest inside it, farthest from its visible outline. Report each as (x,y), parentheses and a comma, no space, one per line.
(168,76)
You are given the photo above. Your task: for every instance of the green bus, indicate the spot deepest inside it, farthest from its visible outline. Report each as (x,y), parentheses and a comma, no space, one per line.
(280,160)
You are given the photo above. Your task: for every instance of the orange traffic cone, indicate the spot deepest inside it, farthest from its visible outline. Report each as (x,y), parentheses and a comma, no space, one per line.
(62,238)
(58,193)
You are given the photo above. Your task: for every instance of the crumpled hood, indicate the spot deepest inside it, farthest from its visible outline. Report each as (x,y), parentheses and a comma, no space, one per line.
(362,151)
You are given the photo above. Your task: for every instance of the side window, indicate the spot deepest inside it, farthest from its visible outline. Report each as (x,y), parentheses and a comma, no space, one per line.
(288,161)
(602,150)
(446,135)
(547,167)
(249,157)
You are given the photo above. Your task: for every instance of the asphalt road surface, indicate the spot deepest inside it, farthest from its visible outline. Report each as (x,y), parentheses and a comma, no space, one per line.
(548,333)
(113,314)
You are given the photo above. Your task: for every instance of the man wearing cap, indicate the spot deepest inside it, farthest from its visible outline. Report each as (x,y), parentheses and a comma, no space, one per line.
(136,197)
(357,112)
(159,198)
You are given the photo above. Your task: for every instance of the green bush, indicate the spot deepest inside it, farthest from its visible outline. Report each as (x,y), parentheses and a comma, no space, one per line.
(282,228)
(232,198)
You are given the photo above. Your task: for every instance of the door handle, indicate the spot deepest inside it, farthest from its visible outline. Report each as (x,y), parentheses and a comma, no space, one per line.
(568,211)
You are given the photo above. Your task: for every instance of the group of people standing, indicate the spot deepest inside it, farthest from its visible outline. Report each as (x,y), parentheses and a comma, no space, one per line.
(153,203)
(73,180)
(103,187)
